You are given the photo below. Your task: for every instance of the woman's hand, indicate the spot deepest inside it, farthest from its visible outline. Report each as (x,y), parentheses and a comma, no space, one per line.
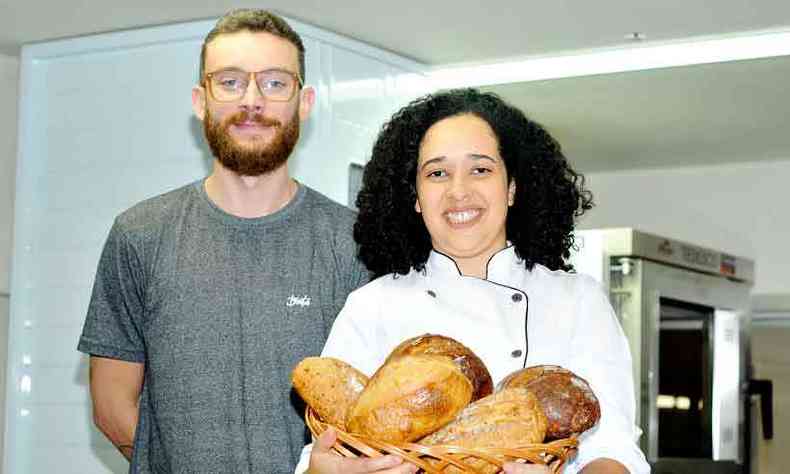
(518,468)
(324,461)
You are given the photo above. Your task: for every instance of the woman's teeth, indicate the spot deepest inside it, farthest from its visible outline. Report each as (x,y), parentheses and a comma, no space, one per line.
(462,217)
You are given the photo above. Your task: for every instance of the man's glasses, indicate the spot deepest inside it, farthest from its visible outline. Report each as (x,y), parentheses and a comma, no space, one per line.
(230,85)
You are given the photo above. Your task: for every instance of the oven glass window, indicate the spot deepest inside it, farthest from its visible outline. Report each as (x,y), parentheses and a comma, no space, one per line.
(685,380)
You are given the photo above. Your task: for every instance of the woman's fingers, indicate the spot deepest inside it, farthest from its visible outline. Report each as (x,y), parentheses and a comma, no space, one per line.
(518,468)
(324,461)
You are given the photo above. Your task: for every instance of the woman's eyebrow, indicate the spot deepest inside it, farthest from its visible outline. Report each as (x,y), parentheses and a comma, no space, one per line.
(442,158)
(437,159)
(479,156)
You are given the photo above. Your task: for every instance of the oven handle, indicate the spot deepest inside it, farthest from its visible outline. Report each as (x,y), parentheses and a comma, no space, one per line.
(765,389)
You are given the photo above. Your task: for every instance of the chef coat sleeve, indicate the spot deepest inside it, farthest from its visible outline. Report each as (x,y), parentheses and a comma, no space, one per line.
(601,355)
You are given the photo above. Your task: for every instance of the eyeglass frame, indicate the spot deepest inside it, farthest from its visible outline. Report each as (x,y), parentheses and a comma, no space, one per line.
(206,83)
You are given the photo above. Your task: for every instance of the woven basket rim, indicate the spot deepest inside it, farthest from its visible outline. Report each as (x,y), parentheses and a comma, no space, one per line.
(554,454)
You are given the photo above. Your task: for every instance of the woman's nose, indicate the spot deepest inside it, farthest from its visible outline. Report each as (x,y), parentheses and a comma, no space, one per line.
(459,188)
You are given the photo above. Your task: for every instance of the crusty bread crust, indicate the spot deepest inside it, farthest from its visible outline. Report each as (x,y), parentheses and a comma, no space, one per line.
(506,419)
(469,363)
(569,403)
(330,386)
(409,397)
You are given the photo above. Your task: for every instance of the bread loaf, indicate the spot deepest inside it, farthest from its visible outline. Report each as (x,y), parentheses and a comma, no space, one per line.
(467,361)
(506,419)
(330,386)
(568,401)
(409,397)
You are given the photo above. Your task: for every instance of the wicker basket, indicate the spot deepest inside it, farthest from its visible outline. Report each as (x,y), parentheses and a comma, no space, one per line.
(436,459)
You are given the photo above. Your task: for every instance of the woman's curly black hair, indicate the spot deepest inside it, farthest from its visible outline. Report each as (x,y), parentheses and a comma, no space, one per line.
(549,195)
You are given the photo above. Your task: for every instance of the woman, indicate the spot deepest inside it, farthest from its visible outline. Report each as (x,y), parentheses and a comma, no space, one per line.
(465,218)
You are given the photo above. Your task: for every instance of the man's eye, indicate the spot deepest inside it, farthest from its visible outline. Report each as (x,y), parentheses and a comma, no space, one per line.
(229,83)
(274,84)
(437,174)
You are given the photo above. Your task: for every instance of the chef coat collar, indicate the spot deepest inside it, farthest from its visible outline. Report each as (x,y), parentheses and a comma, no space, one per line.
(498,269)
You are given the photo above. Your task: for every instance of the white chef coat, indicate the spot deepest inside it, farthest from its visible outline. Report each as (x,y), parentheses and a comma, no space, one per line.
(512,319)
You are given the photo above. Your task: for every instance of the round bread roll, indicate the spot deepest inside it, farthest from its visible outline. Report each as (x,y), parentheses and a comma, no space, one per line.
(521,377)
(506,419)
(467,361)
(409,397)
(330,386)
(568,401)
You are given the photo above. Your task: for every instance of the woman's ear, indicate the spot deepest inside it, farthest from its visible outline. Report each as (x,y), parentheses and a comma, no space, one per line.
(511,192)
(417,206)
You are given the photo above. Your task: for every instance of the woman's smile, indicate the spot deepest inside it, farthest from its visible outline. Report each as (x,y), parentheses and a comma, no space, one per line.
(463,217)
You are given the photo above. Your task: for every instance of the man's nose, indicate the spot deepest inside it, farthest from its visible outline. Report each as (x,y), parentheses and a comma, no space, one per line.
(252,99)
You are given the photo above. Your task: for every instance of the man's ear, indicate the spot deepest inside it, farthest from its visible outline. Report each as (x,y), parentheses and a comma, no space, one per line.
(417,206)
(511,192)
(199,102)
(306,102)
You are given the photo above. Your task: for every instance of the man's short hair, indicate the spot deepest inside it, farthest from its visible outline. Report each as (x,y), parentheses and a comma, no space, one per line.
(254,21)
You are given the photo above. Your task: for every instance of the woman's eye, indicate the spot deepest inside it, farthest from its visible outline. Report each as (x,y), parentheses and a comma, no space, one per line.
(481,170)
(437,174)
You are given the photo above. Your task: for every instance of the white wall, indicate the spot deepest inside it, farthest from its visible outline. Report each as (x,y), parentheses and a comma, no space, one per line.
(9,67)
(737,208)
(99,133)
(9,77)
(772,362)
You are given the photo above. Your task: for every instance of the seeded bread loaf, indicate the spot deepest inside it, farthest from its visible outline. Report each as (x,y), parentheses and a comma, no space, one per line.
(330,386)
(506,419)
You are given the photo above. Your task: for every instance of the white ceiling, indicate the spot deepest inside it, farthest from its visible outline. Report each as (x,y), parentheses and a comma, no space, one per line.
(696,115)
(430,31)
(667,117)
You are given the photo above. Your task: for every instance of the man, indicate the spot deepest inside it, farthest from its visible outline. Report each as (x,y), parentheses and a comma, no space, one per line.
(207,296)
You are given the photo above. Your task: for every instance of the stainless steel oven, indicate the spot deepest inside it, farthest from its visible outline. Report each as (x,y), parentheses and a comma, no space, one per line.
(685,311)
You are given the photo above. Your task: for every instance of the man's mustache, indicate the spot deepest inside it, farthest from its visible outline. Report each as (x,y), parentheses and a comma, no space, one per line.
(260,119)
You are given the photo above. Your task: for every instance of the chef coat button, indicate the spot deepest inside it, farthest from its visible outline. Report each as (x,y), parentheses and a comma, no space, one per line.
(516,297)
(431,293)
(516,353)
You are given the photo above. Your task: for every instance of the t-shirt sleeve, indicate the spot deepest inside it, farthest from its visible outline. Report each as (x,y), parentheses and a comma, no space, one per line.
(351,272)
(113,324)
(358,274)
(601,355)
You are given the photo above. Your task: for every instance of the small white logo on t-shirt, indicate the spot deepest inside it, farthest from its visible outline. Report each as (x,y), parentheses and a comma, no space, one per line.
(294,300)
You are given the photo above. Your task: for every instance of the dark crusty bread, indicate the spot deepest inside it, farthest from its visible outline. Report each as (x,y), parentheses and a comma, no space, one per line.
(330,386)
(409,397)
(567,399)
(467,361)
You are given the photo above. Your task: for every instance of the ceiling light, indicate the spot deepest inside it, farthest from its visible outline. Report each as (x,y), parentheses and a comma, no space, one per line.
(606,61)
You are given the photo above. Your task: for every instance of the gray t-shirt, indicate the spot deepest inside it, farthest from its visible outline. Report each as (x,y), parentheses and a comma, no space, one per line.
(220,309)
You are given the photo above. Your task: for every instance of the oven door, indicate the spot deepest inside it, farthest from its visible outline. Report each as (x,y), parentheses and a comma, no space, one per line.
(684,331)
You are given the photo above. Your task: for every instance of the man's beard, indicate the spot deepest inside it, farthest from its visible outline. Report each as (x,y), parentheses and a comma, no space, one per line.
(257,159)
